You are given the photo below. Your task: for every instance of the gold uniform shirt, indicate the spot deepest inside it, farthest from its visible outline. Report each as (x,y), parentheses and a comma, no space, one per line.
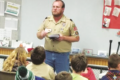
(65,27)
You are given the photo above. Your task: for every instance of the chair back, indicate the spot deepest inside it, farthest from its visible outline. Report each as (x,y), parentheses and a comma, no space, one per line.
(7,75)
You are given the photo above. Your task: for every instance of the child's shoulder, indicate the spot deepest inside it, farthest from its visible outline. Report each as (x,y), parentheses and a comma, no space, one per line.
(48,66)
(78,77)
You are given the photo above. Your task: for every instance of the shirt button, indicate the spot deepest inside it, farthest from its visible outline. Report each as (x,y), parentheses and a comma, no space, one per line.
(53,45)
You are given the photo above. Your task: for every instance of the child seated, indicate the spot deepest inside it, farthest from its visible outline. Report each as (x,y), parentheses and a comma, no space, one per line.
(24,74)
(63,75)
(88,73)
(78,66)
(38,66)
(15,59)
(114,68)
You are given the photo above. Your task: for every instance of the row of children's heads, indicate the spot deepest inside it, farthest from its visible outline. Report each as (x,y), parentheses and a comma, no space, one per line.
(37,54)
(78,61)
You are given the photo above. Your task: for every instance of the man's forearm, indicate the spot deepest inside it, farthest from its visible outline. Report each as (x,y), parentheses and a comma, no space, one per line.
(71,39)
(39,35)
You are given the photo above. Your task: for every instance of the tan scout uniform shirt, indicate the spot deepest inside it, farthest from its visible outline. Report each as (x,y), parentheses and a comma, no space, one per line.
(42,70)
(65,27)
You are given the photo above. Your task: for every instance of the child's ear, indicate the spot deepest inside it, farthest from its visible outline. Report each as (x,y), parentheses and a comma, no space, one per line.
(118,66)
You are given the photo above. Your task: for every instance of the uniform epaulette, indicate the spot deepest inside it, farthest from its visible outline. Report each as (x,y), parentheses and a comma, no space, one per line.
(70,19)
(46,17)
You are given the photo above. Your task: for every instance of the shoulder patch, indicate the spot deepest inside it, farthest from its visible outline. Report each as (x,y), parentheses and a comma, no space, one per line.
(70,19)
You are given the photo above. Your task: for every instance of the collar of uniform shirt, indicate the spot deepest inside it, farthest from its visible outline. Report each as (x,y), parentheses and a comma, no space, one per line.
(62,19)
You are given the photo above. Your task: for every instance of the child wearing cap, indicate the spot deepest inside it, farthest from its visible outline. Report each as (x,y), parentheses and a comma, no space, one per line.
(24,74)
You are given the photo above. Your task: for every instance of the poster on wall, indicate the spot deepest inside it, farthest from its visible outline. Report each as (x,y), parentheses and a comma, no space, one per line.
(1,8)
(111,14)
(12,8)
(11,23)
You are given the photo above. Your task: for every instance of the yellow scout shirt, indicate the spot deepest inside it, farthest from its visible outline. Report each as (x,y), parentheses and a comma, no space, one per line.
(65,27)
(42,70)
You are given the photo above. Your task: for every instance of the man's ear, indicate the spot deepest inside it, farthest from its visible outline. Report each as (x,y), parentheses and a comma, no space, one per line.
(119,66)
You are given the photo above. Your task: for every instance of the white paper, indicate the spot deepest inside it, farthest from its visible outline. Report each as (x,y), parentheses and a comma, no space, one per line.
(1,34)
(102,53)
(15,43)
(75,50)
(11,23)
(12,8)
(15,35)
(1,8)
(114,52)
(88,51)
(107,11)
(8,34)
(116,11)
(117,2)
(5,42)
(27,44)
(108,2)
(5,34)
(106,22)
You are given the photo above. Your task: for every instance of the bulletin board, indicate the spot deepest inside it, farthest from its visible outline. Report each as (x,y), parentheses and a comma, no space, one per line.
(10,16)
(111,14)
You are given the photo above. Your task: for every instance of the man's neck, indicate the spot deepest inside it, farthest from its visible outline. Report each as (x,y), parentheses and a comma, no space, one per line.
(57,18)
(77,72)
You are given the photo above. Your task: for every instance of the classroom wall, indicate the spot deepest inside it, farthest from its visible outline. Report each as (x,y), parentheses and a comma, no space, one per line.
(86,14)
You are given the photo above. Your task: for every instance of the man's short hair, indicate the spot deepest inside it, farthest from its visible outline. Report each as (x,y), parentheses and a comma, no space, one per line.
(38,55)
(63,75)
(79,62)
(113,61)
(63,4)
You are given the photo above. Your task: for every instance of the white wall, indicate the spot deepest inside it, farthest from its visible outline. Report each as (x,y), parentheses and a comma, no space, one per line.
(87,15)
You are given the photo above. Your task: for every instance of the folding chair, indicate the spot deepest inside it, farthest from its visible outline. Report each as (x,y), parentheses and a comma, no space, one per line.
(7,75)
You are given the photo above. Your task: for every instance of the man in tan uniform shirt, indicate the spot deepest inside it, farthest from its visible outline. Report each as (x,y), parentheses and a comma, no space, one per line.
(57,50)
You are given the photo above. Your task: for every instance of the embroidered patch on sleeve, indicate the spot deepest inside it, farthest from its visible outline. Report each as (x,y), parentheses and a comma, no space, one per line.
(76,33)
(75,28)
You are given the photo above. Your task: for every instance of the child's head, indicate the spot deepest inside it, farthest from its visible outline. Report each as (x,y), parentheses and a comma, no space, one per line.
(22,71)
(38,55)
(24,74)
(63,75)
(19,54)
(79,63)
(114,61)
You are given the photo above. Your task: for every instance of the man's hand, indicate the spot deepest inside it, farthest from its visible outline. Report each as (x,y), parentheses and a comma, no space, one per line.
(68,38)
(61,38)
(43,33)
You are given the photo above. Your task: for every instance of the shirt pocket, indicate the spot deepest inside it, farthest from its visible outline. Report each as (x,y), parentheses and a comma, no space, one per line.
(65,31)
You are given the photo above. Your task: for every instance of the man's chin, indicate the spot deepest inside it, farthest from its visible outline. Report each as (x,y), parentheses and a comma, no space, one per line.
(56,15)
